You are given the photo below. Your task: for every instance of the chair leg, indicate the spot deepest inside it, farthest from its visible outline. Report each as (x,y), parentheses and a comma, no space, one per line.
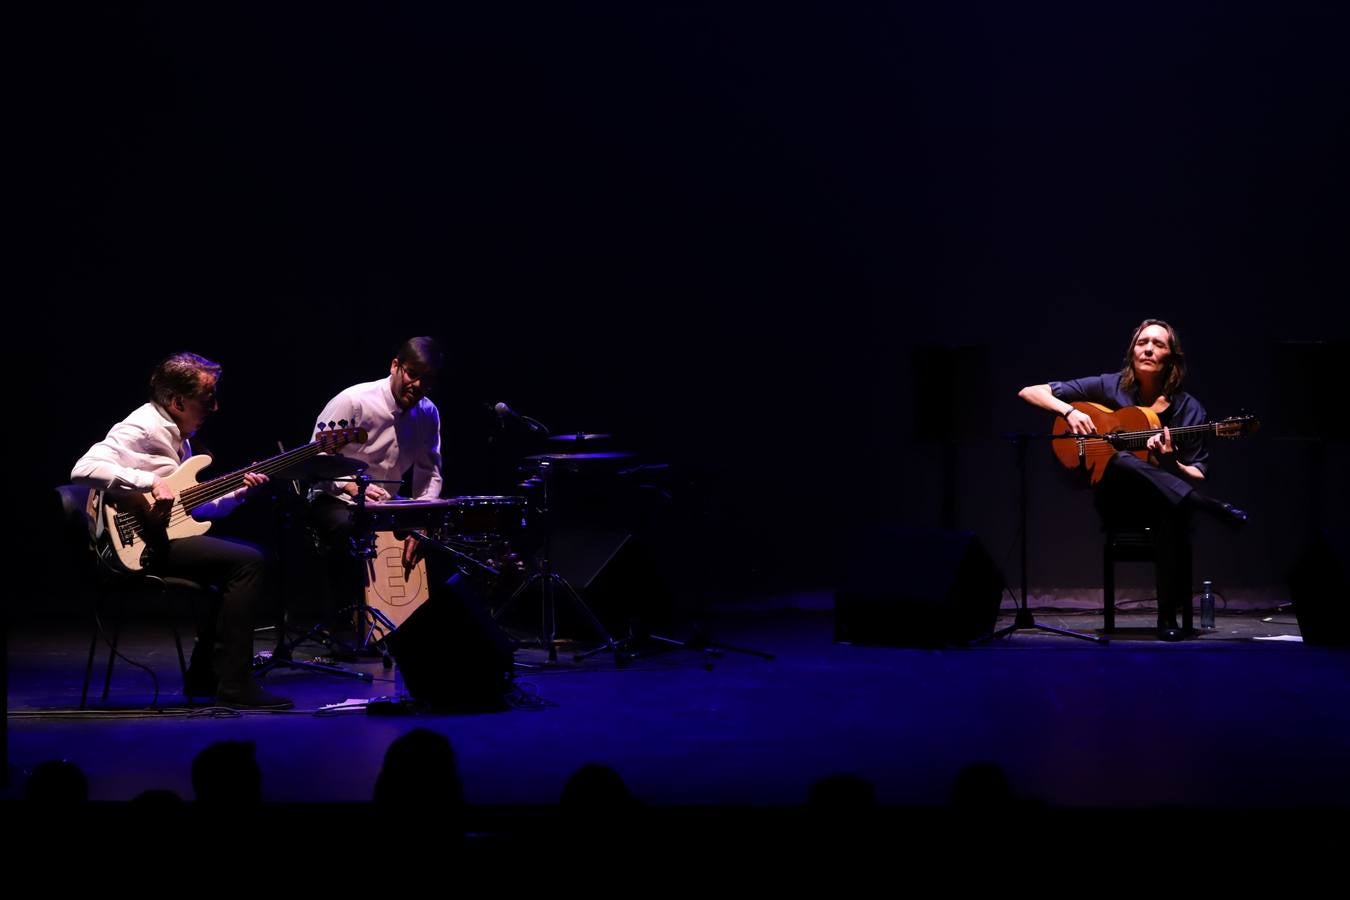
(89,664)
(112,655)
(1108,591)
(182,660)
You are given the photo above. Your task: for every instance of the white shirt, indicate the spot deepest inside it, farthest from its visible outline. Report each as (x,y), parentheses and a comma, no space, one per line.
(146,444)
(397,439)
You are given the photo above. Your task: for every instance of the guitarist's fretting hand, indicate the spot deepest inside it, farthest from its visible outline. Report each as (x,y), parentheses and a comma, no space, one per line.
(252,480)
(1160,449)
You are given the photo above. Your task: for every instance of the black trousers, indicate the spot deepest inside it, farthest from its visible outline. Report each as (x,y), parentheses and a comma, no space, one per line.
(238,570)
(343,573)
(1135,495)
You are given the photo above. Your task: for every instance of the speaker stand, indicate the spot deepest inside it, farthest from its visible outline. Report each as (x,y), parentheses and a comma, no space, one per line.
(1024,620)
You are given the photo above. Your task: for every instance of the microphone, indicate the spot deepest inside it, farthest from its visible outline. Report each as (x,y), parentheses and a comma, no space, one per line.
(505,412)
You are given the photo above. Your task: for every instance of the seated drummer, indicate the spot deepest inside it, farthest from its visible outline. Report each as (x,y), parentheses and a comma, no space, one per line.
(403,447)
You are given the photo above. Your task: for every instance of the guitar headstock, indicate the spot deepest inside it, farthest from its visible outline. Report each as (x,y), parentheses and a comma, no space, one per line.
(1237,426)
(333,436)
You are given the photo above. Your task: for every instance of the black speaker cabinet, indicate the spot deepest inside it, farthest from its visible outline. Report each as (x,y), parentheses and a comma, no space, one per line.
(451,654)
(1319,585)
(909,587)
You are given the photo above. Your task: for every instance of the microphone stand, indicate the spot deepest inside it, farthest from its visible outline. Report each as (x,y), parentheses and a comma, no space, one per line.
(1024,620)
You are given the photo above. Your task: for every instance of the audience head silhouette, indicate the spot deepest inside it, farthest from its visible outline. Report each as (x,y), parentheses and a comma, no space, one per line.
(227,772)
(841,793)
(595,788)
(57,781)
(420,769)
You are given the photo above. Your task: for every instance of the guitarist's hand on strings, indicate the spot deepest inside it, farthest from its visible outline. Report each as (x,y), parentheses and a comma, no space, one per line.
(162,496)
(1080,422)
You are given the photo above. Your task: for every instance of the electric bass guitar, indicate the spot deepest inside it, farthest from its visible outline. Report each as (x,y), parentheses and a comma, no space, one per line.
(126,523)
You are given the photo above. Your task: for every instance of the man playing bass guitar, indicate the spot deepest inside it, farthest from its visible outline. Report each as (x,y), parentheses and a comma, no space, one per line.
(138,455)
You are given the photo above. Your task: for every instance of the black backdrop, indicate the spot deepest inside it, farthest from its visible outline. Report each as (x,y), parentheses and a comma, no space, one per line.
(720,234)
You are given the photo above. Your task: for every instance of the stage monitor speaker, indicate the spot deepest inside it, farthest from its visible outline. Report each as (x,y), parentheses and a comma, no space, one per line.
(1319,586)
(910,587)
(451,654)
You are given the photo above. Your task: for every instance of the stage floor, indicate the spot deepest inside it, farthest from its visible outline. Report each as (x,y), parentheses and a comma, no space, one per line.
(1238,718)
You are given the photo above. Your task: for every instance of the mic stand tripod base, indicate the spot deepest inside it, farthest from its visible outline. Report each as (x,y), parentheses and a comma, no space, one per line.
(1024,621)
(548,583)
(282,658)
(697,643)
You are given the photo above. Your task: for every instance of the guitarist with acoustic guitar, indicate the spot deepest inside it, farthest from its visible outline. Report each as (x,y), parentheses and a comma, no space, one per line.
(136,464)
(1138,438)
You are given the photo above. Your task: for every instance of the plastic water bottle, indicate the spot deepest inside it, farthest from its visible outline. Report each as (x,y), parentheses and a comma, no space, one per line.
(1207,605)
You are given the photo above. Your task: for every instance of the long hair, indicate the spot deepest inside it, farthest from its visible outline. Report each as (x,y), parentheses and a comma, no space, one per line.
(1174,369)
(179,376)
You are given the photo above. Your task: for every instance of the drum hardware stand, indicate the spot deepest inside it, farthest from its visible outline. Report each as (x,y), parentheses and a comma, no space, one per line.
(463,561)
(698,642)
(549,584)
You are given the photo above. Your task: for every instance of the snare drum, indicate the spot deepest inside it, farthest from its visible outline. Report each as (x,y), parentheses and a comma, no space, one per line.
(486,519)
(431,516)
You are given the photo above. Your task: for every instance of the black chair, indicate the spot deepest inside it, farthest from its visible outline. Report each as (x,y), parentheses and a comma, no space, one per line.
(1128,545)
(110,588)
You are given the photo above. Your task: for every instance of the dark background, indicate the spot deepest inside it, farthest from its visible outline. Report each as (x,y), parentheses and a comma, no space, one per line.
(730,237)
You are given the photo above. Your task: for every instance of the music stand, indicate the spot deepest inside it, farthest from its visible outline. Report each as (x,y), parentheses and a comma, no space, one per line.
(361,545)
(312,469)
(1024,620)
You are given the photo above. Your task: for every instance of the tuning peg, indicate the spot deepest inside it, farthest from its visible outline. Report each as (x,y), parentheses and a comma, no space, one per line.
(320,427)
(342,423)
(332,424)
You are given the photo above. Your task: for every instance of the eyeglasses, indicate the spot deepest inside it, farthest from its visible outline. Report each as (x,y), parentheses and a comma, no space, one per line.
(426,379)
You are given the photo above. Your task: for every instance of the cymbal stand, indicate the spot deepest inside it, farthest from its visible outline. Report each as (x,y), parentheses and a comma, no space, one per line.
(550,585)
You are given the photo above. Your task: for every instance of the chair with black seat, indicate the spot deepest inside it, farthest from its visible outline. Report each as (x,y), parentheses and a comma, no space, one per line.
(110,586)
(1133,544)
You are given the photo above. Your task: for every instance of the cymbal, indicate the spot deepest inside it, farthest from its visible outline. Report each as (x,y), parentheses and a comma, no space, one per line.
(582,457)
(580,436)
(327,468)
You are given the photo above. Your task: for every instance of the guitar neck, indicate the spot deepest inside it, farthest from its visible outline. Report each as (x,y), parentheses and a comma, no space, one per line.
(1139,439)
(218,487)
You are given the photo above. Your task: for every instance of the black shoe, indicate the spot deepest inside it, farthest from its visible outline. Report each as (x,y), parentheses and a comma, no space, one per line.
(1226,513)
(250,696)
(1171,633)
